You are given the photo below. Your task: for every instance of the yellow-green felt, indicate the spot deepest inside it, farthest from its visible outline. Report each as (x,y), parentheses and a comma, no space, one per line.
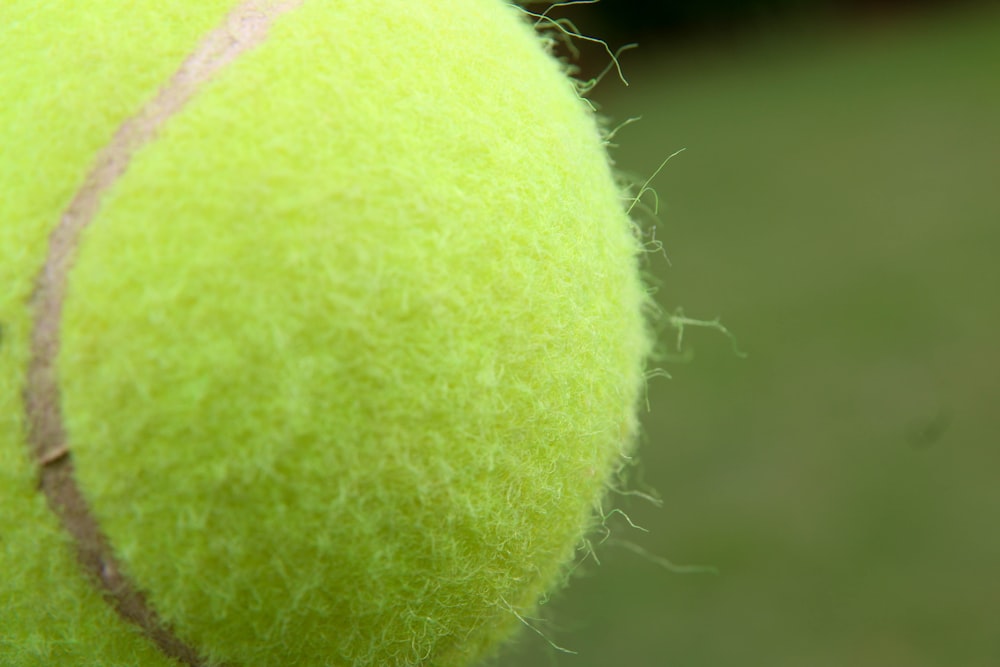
(349,350)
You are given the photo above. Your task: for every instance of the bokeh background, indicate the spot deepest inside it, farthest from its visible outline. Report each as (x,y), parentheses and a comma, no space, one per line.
(838,206)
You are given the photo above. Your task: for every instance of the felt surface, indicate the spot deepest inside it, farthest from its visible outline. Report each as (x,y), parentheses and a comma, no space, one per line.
(350,351)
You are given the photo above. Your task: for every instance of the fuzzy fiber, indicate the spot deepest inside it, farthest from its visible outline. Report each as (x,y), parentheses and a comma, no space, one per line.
(350,352)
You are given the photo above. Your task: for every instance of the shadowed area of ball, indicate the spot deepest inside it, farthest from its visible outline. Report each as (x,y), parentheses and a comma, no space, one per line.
(340,343)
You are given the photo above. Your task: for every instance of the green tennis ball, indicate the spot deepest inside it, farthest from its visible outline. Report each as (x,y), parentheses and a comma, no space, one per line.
(322,331)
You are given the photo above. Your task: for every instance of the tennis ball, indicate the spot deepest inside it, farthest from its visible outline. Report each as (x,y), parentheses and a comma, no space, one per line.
(322,331)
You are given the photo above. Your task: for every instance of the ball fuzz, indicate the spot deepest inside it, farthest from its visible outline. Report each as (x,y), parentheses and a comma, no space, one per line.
(322,331)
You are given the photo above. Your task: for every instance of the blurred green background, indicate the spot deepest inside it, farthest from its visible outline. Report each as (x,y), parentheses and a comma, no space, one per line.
(838,205)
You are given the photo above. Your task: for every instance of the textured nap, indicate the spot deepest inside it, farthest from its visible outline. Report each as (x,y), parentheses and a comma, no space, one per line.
(348,354)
